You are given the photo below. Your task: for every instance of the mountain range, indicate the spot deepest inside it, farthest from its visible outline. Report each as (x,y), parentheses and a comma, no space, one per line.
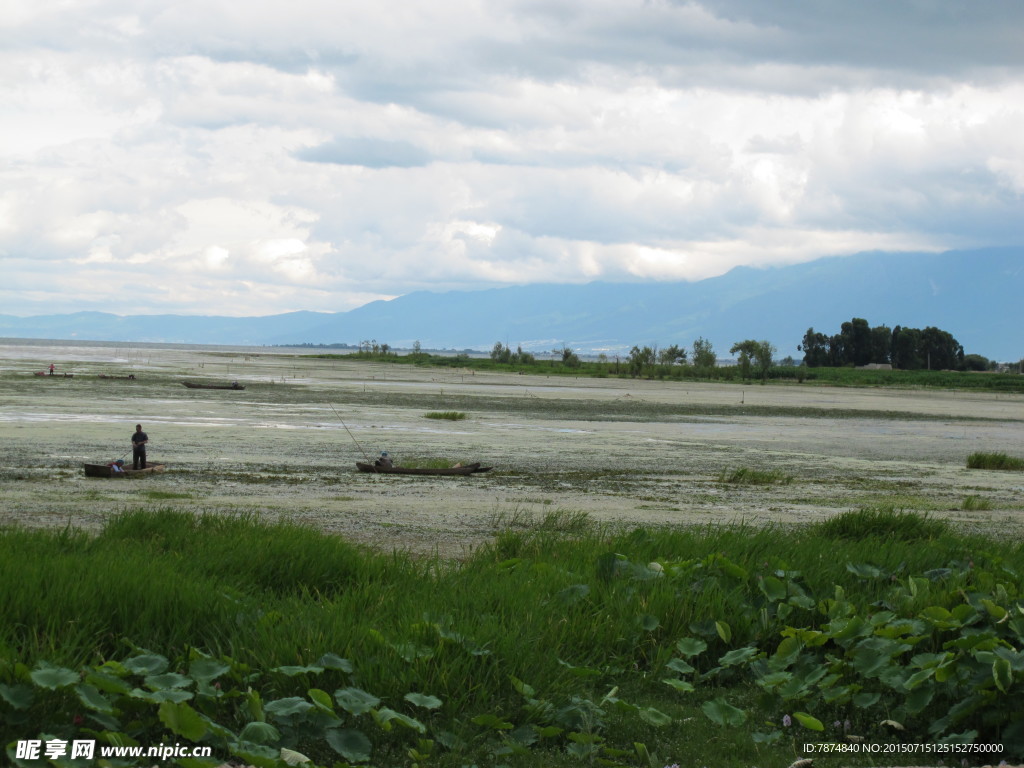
(975,295)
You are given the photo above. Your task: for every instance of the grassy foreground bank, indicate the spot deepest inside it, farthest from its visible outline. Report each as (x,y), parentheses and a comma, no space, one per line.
(559,644)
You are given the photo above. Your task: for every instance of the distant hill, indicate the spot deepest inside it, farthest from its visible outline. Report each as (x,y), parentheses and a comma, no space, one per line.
(975,295)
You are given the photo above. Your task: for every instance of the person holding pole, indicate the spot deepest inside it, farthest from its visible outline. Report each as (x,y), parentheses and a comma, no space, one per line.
(139,440)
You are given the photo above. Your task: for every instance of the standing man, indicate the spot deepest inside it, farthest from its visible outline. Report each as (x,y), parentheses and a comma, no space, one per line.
(139,440)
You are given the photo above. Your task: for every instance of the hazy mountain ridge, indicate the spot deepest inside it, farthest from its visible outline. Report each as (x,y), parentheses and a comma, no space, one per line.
(975,295)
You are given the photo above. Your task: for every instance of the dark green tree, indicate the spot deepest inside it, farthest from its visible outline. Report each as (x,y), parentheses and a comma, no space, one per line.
(881,344)
(815,349)
(500,353)
(640,360)
(753,353)
(856,335)
(672,355)
(703,354)
(940,350)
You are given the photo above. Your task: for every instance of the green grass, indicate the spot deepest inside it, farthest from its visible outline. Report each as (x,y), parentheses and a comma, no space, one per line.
(746,476)
(166,495)
(448,415)
(554,640)
(976,503)
(885,523)
(1001,461)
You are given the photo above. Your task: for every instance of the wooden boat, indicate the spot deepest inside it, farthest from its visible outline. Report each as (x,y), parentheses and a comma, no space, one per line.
(129,377)
(104,470)
(469,469)
(194,385)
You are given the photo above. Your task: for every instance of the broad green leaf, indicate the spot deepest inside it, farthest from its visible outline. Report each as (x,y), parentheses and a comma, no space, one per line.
(865,571)
(649,623)
(523,688)
(721,712)
(680,666)
(691,646)
(385,716)
(730,568)
(93,699)
(291,757)
(917,678)
(651,716)
(773,679)
(774,589)
(207,670)
(166,694)
(294,671)
(683,686)
(724,631)
(867,699)
(18,696)
(738,656)
(147,664)
(848,629)
(167,680)
(423,700)
(52,678)
(1002,673)
(106,682)
(334,661)
(181,719)
(355,701)
(256,755)
(919,698)
(995,610)
(808,721)
(787,652)
(492,721)
(260,733)
(350,744)
(292,705)
(321,699)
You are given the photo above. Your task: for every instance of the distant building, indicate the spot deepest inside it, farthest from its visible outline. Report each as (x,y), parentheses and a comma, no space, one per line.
(875,367)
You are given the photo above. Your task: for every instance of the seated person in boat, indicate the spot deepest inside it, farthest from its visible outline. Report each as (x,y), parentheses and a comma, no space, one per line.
(384,460)
(116,466)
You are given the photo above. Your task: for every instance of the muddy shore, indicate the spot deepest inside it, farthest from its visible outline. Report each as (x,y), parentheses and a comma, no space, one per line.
(622,451)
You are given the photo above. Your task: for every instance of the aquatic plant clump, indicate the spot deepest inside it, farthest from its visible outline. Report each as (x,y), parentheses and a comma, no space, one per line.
(994,461)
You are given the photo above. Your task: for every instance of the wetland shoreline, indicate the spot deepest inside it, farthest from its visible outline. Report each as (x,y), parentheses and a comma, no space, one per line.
(625,452)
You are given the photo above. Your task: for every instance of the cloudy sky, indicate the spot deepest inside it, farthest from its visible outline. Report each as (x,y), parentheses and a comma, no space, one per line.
(248,158)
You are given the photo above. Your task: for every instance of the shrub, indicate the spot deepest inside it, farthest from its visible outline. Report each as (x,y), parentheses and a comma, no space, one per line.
(983,460)
(744,476)
(449,415)
(882,522)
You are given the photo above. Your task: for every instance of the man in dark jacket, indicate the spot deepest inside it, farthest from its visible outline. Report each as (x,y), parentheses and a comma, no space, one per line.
(139,440)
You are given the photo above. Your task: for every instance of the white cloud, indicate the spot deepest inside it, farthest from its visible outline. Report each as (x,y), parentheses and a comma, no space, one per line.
(265,157)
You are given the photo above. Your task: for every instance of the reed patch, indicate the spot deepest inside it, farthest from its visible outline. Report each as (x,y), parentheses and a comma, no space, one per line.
(999,461)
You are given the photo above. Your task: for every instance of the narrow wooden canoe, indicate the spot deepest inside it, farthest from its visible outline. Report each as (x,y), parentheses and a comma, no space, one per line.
(469,469)
(102,470)
(193,385)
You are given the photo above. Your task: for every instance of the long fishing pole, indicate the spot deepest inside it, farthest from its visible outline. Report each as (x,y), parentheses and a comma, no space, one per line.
(350,433)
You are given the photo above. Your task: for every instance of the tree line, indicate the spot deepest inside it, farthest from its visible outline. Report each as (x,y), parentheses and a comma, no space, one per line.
(909,349)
